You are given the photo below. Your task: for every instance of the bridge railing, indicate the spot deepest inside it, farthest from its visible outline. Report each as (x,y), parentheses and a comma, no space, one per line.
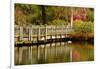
(29,32)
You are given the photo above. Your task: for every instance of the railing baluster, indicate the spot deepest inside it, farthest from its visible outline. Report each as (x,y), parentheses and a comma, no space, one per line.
(46,32)
(38,36)
(30,34)
(21,34)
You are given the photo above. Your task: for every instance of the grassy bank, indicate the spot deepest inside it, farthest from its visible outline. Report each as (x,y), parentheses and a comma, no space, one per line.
(83,31)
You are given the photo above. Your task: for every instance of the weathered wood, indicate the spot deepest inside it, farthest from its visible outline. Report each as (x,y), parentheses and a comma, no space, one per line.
(36,33)
(21,34)
(38,36)
(45,32)
(30,34)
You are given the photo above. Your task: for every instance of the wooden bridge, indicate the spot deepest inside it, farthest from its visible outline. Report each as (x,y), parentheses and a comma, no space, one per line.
(38,33)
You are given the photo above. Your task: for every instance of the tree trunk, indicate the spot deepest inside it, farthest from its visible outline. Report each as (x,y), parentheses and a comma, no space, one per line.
(43,14)
(71,17)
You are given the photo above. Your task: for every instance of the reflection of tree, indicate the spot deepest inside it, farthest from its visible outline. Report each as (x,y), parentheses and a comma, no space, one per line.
(76,55)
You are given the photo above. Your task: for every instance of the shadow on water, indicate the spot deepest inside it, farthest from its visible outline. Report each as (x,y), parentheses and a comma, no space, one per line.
(58,52)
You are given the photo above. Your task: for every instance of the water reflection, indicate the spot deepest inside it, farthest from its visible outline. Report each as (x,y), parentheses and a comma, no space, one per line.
(54,53)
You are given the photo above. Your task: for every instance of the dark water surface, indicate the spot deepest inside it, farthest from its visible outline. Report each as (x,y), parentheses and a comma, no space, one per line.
(54,53)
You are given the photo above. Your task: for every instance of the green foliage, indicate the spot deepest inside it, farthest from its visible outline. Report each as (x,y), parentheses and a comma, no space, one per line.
(83,27)
(58,22)
(27,14)
(78,22)
(90,14)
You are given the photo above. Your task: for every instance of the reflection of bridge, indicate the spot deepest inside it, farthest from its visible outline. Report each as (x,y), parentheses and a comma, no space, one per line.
(49,53)
(37,33)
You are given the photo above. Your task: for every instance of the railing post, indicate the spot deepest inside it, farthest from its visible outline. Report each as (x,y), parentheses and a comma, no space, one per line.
(51,34)
(55,32)
(62,31)
(38,36)
(45,32)
(66,31)
(21,34)
(30,34)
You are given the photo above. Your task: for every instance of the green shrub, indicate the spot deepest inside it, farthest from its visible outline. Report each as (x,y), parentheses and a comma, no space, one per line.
(58,22)
(83,27)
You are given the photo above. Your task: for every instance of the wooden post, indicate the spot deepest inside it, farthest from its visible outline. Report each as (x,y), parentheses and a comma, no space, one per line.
(55,32)
(38,36)
(66,32)
(21,34)
(52,33)
(45,32)
(62,30)
(30,39)
(30,34)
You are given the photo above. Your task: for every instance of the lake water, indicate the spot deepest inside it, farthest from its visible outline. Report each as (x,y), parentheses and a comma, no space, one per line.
(54,53)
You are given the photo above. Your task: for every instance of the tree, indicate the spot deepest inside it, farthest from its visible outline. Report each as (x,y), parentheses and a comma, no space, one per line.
(43,14)
(27,14)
